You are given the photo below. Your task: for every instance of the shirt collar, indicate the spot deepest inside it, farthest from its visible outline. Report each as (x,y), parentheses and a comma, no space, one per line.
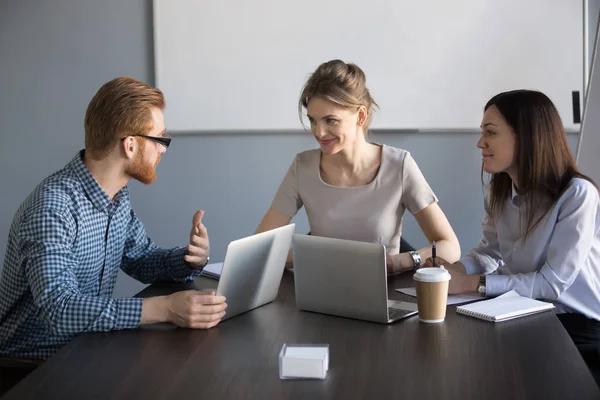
(91,187)
(514,197)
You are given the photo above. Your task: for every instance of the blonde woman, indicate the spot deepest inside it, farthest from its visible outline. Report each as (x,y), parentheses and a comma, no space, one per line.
(351,188)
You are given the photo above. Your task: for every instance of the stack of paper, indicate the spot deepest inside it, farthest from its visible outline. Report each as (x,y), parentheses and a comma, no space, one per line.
(212,271)
(452,298)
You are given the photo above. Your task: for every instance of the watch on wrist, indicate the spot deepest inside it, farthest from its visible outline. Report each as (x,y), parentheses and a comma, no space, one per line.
(481,287)
(416,259)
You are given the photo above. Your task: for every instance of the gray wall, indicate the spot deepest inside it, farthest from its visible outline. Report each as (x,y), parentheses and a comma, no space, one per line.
(55,54)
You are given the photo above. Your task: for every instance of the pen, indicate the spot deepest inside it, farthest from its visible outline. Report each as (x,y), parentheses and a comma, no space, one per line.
(433,255)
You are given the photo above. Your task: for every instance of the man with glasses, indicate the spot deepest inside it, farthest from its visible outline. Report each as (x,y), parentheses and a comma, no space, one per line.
(77,228)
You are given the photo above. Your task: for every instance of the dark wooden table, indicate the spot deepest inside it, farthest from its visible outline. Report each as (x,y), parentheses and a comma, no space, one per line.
(462,358)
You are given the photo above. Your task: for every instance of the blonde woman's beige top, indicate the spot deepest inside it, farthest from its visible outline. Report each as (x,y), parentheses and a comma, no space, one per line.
(368,213)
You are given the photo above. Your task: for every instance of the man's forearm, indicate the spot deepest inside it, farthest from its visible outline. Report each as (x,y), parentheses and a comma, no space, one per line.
(154,310)
(159,264)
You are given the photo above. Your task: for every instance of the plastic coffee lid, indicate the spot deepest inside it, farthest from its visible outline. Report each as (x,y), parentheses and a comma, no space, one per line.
(440,274)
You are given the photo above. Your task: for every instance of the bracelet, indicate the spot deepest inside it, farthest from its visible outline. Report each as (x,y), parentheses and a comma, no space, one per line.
(416,259)
(481,288)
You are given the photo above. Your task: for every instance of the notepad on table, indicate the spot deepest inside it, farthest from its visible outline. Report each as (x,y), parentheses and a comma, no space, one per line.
(212,271)
(507,306)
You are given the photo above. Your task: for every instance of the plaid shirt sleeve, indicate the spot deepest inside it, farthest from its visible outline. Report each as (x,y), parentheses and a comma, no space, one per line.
(147,263)
(46,236)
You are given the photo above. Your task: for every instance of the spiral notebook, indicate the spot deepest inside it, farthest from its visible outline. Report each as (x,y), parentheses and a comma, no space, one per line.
(507,306)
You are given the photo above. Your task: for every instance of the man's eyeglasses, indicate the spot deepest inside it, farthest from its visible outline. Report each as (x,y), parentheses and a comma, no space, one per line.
(165,139)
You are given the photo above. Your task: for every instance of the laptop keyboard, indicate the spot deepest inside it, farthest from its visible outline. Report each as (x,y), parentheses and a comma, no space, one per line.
(395,313)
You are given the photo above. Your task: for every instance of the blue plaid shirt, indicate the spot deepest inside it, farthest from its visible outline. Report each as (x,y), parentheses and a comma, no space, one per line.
(65,246)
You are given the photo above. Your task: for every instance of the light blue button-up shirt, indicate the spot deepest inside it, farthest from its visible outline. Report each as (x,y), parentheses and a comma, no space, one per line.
(559,262)
(65,247)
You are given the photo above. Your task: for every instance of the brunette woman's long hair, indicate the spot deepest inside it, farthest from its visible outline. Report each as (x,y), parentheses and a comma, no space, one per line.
(545,163)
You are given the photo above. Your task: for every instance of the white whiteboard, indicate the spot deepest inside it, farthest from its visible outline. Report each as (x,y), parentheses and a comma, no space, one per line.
(430,64)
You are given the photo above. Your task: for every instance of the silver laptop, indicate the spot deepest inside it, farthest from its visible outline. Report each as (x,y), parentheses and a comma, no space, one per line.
(253,268)
(344,278)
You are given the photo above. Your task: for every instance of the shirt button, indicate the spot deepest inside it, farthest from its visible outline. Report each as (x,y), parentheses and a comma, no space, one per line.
(107,251)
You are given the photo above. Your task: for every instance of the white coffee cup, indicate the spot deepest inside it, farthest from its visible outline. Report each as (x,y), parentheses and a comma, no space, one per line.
(432,293)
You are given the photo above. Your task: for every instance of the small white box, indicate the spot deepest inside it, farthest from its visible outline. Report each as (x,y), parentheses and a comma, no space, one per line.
(304,361)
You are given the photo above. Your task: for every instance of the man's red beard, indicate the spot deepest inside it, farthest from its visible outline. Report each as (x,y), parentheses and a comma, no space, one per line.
(142,170)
